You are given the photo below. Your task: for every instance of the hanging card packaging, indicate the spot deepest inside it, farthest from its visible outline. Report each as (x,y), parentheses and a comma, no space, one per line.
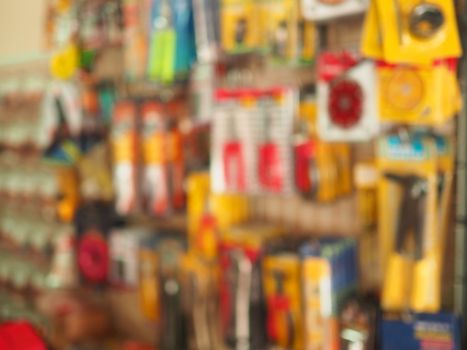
(176,166)
(279,28)
(307,40)
(185,47)
(326,286)
(123,249)
(408,229)
(163,41)
(206,14)
(124,149)
(282,291)
(417,31)
(239,26)
(155,176)
(228,167)
(323,10)
(241,304)
(418,95)
(148,282)
(137,23)
(347,109)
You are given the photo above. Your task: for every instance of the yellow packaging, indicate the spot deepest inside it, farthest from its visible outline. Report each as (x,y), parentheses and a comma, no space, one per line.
(418,32)
(328,189)
(307,40)
(417,95)
(198,190)
(149,283)
(366,182)
(282,290)
(279,28)
(229,209)
(372,40)
(69,193)
(343,158)
(320,333)
(408,279)
(239,25)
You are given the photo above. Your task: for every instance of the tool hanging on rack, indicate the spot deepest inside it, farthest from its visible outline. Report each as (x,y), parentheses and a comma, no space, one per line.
(347,109)
(408,221)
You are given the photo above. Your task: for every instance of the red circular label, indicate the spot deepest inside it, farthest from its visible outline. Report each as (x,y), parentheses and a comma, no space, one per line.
(345,103)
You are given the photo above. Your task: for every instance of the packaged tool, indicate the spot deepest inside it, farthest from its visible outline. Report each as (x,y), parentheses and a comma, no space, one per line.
(421,331)
(93,222)
(242,305)
(173,332)
(366,183)
(185,45)
(329,276)
(418,95)
(61,115)
(418,32)
(175,165)
(162,47)
(279,29)
(155,159)
(251,135)
(408,222)
(282,292)
(149,278)
(324,10)
(123,248)
(201,283)
(136,14)
(240,28)
(125,156)
(307,40)
(206,16)
(347,108)
(228,169)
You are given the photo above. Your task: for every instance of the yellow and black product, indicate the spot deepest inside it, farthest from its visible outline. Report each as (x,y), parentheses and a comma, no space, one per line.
(148,279)
(343,158)
(242,307)
(240,31)
(408,222)
(418,95)
(279,28)
(328,190)
(366,183)
(417,31)
(68,196)
(282,291)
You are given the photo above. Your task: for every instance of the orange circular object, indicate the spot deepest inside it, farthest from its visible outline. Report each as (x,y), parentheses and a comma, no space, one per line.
(404,89)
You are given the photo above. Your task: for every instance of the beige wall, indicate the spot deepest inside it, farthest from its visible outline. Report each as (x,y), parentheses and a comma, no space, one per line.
(21,29)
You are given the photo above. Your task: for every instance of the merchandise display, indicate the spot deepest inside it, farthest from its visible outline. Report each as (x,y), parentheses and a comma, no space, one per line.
(235,174)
